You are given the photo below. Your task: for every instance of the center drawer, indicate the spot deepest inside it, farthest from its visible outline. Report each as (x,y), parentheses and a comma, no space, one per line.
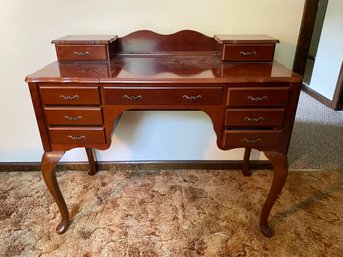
(162,95)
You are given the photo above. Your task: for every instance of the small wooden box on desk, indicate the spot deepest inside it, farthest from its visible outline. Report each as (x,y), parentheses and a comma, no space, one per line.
(247,47)
(85,48)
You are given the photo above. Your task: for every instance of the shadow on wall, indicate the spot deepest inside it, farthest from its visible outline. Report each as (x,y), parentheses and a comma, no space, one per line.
(316,146)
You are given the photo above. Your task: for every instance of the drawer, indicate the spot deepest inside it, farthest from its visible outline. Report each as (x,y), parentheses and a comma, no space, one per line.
(77,136)
(252,138)
(254,117)
(81,52)
(248,52)
(73,116)
(257,97)
(163,95)
(69,96)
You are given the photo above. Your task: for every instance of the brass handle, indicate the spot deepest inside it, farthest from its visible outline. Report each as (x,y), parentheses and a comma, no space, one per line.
(252,140)
(133,97)
(73,118)
(81,53)
(76,138)
(257,98)
(253,119)
(69,97)
(192,97)
(247,53)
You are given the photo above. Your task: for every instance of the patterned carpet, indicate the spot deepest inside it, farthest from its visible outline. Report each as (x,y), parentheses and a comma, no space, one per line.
(171,213)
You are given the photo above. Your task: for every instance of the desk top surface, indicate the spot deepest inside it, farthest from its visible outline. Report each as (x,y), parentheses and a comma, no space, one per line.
(164,68)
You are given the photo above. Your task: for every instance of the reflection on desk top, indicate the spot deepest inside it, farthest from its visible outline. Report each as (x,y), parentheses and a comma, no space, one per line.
(164,68)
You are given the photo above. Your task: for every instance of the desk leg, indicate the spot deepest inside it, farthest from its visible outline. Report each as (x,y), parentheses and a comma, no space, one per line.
(92,162)
(245,166)
(280,165)
(49,161)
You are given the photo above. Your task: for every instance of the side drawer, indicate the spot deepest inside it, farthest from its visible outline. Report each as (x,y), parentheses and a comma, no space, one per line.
(81,52)
(69,96)
(73,116)
(163,95)
(257,97)
(252,138)
(262,117)
(77,136)
(248,52)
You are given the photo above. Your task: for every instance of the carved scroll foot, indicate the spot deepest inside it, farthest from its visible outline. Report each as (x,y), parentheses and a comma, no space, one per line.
(245,166)
(280,165)
(49,161)
(92,162)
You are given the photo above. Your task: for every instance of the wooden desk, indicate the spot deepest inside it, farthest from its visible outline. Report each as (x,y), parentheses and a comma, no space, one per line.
(251,102)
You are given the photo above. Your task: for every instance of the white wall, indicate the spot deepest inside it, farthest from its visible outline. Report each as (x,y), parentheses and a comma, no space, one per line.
(330,51)
(27,28)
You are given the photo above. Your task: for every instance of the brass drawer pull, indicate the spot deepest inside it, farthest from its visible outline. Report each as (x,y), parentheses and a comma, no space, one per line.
(258,99)
(133,97)
(81,53)
(252,141)
(247,53)
(254,119)
(192,97)
(76,138)
(73,118)
(69,97)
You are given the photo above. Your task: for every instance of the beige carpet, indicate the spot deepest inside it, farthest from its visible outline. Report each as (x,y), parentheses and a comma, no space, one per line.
(171,213)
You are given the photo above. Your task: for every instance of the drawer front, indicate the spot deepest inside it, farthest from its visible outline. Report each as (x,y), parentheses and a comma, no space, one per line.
(248,52)
(163,95)
(81,52)
(254,117)
(257,97)
(69,96)
(252,138)
(77,136)
(73,116)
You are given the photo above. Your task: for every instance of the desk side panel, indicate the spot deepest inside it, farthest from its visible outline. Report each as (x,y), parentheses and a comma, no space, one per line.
(36,101)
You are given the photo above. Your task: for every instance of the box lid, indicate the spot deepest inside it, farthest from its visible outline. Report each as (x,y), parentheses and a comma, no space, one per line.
(85,39)
(245,39)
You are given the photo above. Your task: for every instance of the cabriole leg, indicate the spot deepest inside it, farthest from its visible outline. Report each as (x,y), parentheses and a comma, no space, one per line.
(92,162)
(49,162)
(280,166)
(245,166)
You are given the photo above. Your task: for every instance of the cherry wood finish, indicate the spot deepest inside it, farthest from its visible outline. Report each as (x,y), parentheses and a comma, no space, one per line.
(247,47)
(254,117)
(92,161)
(245,166)
(49,162)
(73,115)
(85,48)
(251,104)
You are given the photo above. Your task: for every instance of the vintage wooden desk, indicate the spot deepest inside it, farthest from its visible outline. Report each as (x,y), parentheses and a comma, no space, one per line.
(250,98)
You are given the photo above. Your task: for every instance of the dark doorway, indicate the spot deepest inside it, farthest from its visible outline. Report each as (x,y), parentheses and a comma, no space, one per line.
(305,55)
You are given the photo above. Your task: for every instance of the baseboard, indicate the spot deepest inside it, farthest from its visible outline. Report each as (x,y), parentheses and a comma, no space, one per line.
(317,96)
(140,165)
